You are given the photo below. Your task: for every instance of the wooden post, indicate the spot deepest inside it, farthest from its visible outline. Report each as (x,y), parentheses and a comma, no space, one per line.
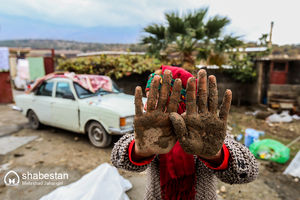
(259,81)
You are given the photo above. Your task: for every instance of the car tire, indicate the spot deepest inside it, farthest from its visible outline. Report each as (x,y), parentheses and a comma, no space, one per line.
(33,120)
(98,135)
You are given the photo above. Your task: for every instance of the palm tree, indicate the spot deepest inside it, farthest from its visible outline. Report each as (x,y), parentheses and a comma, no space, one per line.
(190,36)
(156,41)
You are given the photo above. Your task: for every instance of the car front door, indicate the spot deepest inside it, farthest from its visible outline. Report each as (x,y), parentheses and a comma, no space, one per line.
(41,102)
(65,107)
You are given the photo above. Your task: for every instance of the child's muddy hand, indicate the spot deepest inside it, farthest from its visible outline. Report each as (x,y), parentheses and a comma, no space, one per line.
(200,130)
(153,132)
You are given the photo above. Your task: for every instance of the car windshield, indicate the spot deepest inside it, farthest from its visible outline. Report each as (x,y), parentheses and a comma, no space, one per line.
(115,89)
(84,93)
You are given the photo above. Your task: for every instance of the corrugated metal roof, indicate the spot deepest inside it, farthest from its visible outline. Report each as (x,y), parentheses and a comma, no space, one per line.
(109,53)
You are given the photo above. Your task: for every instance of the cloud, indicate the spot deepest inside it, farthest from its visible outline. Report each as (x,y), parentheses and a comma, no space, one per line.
(249,18)
(90,13)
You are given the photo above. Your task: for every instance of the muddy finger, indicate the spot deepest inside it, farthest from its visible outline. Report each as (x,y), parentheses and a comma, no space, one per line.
(175,96)
(178,125)
(225,107)
(164,90)
(202,91)
(138,101)
(153,94)
(213,95)
(191,107)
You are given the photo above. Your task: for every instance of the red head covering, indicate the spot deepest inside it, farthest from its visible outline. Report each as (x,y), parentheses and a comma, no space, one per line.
(177,168)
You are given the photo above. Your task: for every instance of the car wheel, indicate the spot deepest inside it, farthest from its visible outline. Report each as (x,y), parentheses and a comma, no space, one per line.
(98,136)
(33,120)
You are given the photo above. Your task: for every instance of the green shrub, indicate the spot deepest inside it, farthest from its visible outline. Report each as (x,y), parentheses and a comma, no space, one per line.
(113,66)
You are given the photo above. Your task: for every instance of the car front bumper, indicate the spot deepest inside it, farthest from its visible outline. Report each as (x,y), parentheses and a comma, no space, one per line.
(118,131)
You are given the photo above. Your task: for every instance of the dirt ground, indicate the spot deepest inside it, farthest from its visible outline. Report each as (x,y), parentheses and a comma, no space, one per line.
(57,150)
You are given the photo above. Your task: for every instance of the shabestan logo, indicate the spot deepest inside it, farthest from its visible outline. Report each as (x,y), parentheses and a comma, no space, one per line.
(11,178)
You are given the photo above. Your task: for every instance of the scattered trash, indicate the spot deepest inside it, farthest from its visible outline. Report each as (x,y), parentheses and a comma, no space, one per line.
(291,129)
(5,166)
(260,114)
(229,128)
(296,117)
(263,114)
(14,107)
(223,189)
(239,137)
(18,155)
(252,113)
(251,135)
(76,138)
(40,162)
(104,181)
(294,167)
(272,150)
(277,118)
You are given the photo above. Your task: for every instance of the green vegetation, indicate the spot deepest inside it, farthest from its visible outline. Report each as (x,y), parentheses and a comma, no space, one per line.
(123,65)
(189,37)
(243,69)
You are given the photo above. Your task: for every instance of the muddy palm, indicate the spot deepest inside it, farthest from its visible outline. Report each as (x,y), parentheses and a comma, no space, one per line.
(201,131)
(153,129)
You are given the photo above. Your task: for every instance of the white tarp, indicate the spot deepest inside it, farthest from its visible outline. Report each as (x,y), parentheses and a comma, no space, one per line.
(22,74)
(294,167)
(4,61)
(282,117)
(23,69)
(104,182)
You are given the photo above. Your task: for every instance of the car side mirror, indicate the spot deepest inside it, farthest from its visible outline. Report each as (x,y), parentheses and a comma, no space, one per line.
(68,96)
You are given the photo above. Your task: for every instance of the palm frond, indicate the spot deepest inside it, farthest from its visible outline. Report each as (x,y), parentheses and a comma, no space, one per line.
(214,26)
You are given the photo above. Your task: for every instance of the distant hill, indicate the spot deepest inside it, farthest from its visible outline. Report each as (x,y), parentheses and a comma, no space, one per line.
(71,45)
(291,50)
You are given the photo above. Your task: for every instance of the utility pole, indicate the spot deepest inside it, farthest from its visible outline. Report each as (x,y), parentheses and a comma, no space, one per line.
(270,36)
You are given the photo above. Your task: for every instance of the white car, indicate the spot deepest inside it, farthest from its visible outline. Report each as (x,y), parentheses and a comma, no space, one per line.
(63,103)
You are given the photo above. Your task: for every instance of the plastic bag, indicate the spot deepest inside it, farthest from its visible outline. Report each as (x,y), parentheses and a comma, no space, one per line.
(277,118)
(269,149)
(104,182)
(251,135)
(294,167)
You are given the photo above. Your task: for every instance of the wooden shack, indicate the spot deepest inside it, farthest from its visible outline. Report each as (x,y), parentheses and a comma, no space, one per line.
(279,81)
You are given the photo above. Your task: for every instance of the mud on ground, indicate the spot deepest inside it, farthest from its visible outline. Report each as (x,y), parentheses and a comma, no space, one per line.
(63,151)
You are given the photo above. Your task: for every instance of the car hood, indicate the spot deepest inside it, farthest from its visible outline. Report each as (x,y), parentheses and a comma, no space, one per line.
(118,102)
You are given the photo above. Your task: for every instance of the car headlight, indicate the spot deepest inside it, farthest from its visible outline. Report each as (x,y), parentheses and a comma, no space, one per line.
(125,121)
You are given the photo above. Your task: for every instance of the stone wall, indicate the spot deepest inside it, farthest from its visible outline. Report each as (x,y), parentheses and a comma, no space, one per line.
(245,93)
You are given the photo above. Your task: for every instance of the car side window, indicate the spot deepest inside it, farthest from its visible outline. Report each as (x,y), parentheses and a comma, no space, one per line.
(45,89)
(63,90)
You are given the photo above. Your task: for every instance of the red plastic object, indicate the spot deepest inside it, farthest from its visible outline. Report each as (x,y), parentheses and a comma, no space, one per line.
(6,95)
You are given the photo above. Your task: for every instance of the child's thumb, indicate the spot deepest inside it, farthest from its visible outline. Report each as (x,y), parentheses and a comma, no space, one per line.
(178,125)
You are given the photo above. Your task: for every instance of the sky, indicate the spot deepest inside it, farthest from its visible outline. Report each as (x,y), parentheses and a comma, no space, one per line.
(122,21)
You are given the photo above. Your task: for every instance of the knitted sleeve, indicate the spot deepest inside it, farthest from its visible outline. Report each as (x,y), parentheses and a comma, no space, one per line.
(120,157)
(242,165)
